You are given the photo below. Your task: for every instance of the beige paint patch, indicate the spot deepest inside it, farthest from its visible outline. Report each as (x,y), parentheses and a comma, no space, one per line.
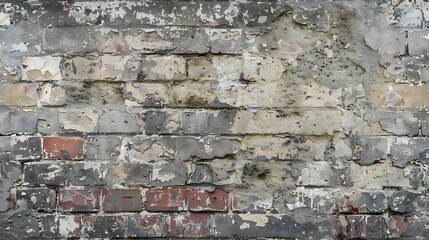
(259,219)
(86,120)
(51,95)
(165,68)
(262,68)
(45,68)
(151,92)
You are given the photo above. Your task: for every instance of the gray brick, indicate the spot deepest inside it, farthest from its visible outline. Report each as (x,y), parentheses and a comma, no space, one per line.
(404,150)
(202,173)
(52,223)
(178,147)
(19,225)
(368,150)
(61,14)
(17,121)
(94,226)
(130,174)
(197,122)
(48,122)
(65,40)
(260,14)
(45,173)
(62,173)
(115,121)
(36,199)
(396,122)
(87,174)
(169,174)
(418,42)
(145,225)
(162,122)
(163,13)
(403,201)
(256,202)
(370,227)
(386,42)
(10,172)
(103,147)
(20,40)
(363,202)
(21,147)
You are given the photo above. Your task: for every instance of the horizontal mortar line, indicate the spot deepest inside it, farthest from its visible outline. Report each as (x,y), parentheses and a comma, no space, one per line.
(143,109)
(142,27)
(249,109)
(390,136)
(134,53)
(142,134)
(154,136)
(361,213)
(234,135)
(318,186)
(149,108)
(83,134)
(171,82)
(152,161)
(180,27)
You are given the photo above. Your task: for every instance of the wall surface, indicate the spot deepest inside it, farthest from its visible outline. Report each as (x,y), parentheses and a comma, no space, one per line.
(298,119)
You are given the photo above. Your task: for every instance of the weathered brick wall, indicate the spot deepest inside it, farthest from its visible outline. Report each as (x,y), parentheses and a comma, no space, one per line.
(291,119)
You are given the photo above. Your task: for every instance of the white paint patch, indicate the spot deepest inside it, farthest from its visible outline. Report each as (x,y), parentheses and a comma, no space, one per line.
(244,226)
(67,225)
(20,47)
(4,19)
(262,19)
(33,199)
(161,176)
(259,219)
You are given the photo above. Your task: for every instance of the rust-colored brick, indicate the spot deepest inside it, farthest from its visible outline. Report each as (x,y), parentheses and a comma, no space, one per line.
(63,148)
(208,201)
(79,200)
(168,199)
(122,200)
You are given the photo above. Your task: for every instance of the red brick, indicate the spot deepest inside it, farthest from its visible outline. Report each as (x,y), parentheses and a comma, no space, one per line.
(168,199)
(122,200)
(79,200)
(191,225)
(217,200)
(62,147)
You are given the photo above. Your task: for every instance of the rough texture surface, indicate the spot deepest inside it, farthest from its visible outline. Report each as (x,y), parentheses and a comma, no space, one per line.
(300,119)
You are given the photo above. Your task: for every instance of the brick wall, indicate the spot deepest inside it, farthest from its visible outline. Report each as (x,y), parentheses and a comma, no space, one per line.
(299,119)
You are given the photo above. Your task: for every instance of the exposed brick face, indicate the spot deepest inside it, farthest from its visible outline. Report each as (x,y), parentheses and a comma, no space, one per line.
(218,200)
(79,200)
(62,147)
(122,200)
(301,119)
(169,199)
